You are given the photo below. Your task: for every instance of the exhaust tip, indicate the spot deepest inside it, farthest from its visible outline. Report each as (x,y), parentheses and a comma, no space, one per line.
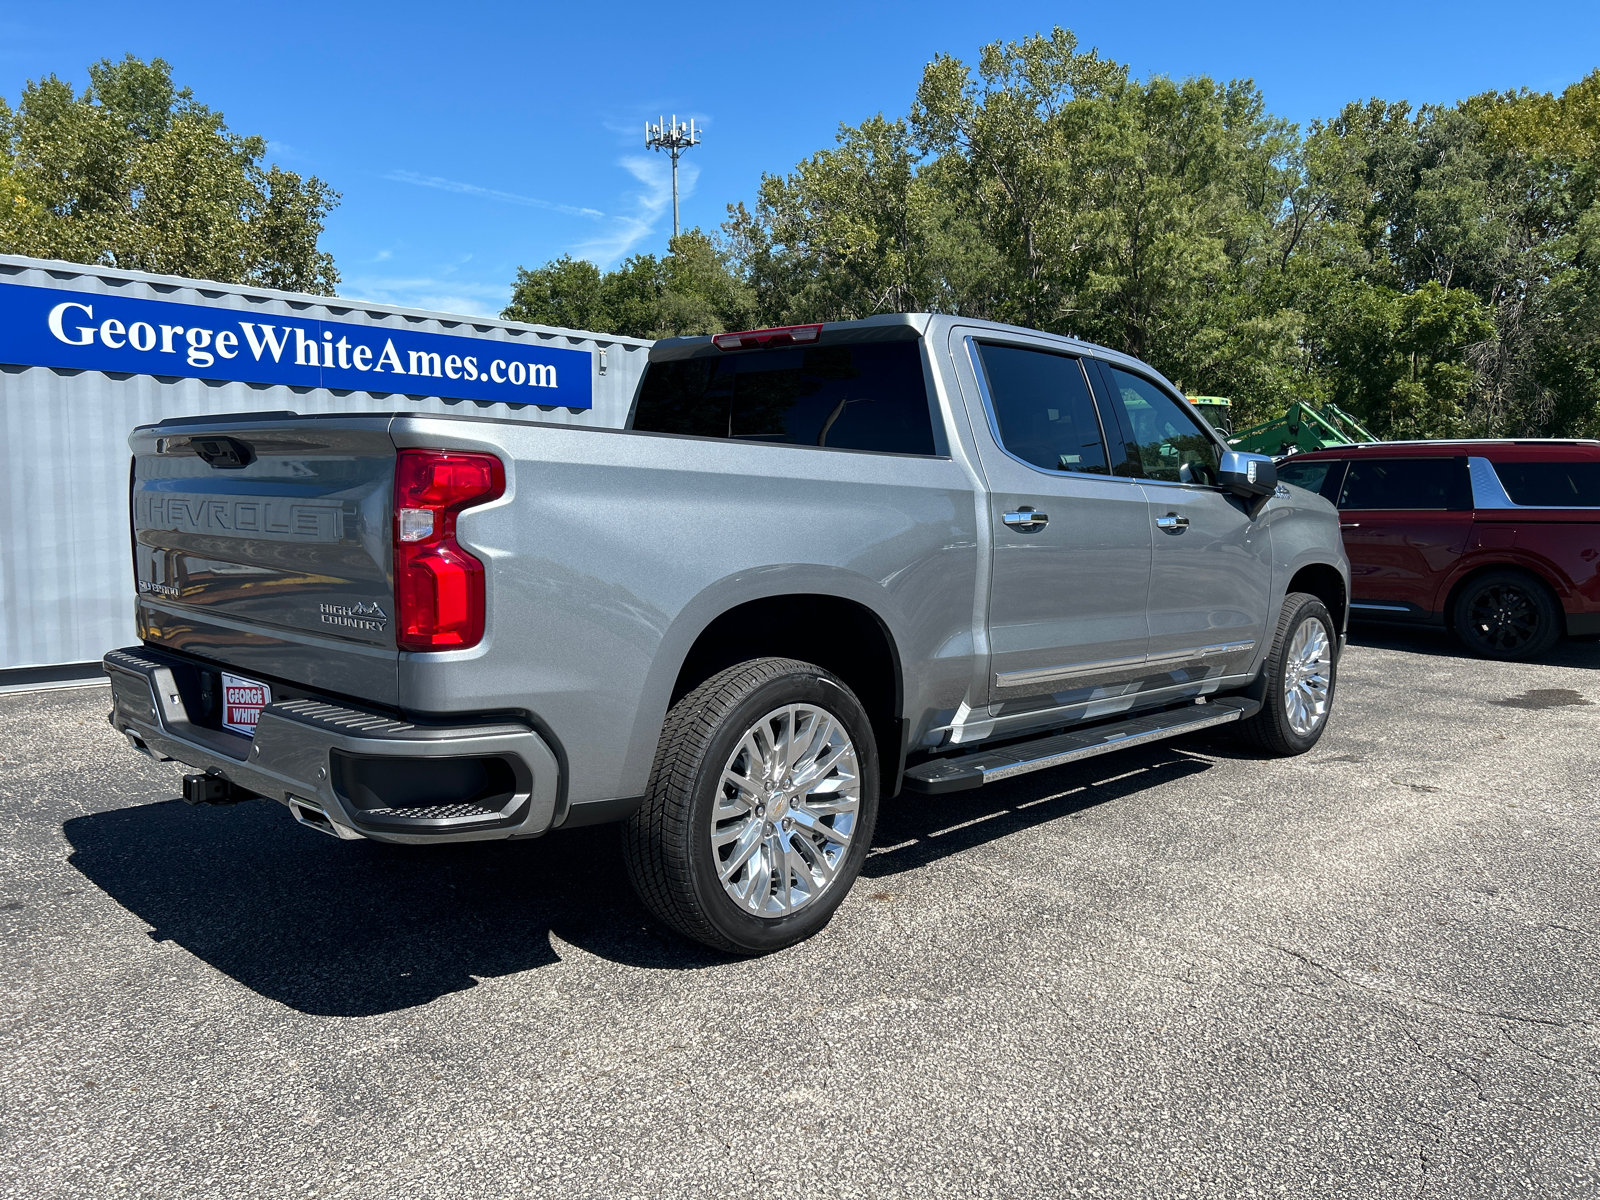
(314,816)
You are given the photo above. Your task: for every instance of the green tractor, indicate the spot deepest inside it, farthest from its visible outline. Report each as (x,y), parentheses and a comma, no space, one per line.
(1300,428)
(1218,410)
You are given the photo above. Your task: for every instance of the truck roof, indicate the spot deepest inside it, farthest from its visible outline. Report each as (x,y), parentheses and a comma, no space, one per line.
(893,325)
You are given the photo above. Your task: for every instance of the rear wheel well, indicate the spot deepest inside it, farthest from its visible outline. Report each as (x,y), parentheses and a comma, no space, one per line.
(1326,584)
(845,637)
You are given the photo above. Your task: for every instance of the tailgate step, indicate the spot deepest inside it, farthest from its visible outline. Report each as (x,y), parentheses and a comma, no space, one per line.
(966,771)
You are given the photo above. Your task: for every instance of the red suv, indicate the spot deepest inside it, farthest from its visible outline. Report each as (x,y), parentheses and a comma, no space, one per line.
(1497,540)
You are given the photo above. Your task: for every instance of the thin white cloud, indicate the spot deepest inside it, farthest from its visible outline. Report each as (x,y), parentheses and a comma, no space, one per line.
(459,296)
(650,205)
(472,189)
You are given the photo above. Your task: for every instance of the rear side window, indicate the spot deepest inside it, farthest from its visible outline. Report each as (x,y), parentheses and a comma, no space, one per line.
(852,397)
(1399,483)
(1043,408)
(1551,484)
(1167,442)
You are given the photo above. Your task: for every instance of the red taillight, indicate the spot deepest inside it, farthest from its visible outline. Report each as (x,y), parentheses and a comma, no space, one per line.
(438,586)
(751,339)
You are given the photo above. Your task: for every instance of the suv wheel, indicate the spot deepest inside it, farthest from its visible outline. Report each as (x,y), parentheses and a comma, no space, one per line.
(1506,615)
(760,808)
(1300,675)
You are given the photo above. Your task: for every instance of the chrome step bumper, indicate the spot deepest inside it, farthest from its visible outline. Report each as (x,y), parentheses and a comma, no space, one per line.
(318,758)
(959,773)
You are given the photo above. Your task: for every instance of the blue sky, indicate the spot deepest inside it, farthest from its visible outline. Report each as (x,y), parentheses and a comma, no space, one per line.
(469,139)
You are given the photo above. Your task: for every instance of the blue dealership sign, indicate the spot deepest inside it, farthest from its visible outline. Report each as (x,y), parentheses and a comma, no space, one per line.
(56,327)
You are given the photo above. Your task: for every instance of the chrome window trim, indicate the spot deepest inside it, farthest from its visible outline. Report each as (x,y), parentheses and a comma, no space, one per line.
(1489,493)
(1487,490)
(976,360)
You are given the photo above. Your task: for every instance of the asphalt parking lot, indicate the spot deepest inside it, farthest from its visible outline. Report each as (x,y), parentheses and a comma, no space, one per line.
(1372,971)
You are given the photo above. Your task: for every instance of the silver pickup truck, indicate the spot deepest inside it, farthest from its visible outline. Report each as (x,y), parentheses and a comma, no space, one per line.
(822,565)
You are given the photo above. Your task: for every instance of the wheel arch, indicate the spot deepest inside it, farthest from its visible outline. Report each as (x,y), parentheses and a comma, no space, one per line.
(833,618)
(1555,586)
(1326,583)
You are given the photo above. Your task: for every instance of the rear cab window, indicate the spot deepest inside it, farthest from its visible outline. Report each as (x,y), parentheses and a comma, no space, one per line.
(1415,484)
(854,396)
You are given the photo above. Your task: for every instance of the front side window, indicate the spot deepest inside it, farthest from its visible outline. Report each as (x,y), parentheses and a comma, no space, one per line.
(1043,408)
(1551,484)
(866,396)
(1167,443)
(1405,483)
(1309,475)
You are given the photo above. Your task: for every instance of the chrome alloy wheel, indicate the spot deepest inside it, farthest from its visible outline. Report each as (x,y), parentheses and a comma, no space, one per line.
(786,809)
(1307,676)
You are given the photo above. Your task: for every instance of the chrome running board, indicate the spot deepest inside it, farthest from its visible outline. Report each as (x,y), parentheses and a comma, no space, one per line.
(961,772)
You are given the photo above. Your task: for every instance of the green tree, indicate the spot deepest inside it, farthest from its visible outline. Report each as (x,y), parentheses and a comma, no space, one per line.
(853,231)
(1473,215)
(689,291)
(135,173)
(566,292)
(1435,269)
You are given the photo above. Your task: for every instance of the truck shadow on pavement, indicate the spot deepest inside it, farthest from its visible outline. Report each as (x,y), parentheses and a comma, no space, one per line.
(355,929)
(914,830)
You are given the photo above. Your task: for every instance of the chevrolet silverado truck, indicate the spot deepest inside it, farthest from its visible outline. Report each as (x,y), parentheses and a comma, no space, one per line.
(821,565)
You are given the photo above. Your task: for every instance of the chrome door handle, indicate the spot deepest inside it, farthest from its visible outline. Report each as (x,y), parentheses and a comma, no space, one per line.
(1350,525)
(1024,518)
(1172,523)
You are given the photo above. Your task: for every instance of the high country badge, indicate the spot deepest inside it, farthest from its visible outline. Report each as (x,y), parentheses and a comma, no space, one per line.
(368,618)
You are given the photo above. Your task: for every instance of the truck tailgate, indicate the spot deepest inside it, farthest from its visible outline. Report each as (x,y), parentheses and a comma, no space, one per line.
(263,543)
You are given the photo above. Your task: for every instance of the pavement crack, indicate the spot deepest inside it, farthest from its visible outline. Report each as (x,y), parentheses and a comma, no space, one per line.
(1455,1069)
(1550,1058)
(1427,1001)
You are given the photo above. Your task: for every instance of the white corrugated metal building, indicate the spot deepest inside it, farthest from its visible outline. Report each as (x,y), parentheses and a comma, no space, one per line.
(66,581)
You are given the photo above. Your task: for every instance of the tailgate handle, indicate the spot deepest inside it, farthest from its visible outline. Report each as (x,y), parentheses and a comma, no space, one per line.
(223,453)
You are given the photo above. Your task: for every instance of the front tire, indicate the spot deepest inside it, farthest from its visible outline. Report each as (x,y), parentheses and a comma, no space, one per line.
(760,808)
(1506,615)
(1300,675)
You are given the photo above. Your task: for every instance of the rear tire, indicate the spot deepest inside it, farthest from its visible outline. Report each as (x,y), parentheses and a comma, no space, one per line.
(760,808)
(1506,615)
(1301,674)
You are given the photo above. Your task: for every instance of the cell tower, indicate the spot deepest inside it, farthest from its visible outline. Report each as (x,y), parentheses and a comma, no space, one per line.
(674,139)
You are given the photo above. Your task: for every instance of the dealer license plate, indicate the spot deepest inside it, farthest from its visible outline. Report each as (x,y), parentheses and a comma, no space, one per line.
(242,702)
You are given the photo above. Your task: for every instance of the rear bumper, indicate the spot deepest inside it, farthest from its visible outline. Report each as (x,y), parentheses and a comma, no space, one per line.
(369,775)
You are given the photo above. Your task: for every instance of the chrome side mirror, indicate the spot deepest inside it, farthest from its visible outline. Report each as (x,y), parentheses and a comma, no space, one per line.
(1247,475)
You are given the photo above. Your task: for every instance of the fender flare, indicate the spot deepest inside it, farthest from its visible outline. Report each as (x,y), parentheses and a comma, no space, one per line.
(722,596)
